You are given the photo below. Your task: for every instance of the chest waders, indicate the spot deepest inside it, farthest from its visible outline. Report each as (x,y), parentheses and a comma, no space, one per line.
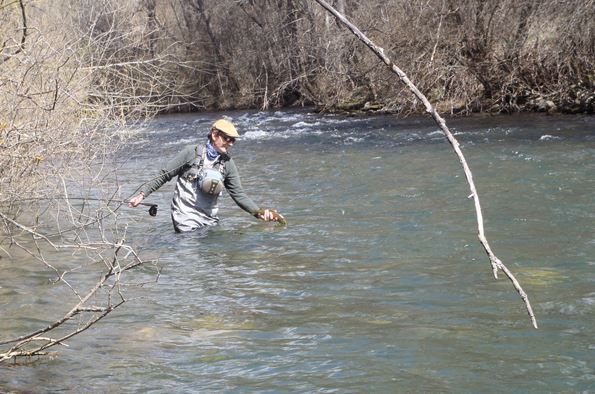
(194,204)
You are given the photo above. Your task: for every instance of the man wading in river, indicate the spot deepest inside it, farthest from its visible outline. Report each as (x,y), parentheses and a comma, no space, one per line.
(203,171)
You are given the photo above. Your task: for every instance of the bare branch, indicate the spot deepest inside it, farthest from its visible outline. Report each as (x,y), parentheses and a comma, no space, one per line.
(24,346)
(495,261)
(24,32)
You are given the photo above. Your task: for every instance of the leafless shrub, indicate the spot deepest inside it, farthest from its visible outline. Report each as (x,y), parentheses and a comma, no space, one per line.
(464,55)
(55,138)
(81,242)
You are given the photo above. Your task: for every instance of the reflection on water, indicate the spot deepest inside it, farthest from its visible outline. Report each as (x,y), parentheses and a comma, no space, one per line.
(378,284)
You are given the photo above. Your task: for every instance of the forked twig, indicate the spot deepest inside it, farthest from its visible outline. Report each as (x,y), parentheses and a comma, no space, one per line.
(495,261)
(20,349)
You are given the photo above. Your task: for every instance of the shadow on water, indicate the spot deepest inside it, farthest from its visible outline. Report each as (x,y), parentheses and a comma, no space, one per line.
(378,283)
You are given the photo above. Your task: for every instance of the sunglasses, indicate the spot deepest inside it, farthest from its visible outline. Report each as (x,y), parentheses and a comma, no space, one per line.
(226,138)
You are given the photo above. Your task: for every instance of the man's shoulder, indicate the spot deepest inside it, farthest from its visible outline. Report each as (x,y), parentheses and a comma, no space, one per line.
(230,165)
(192,149)
(185,156)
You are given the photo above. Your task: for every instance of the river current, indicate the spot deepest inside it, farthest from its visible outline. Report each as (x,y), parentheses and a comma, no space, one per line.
(377,284)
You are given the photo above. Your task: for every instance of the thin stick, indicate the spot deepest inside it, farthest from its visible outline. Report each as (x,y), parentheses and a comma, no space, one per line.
(114,270)
(495,261)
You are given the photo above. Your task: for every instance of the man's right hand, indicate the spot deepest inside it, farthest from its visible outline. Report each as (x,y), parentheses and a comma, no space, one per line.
(134,201)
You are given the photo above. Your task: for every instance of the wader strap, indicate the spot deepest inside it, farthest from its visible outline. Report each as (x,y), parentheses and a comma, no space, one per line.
(198,163)
(219,163)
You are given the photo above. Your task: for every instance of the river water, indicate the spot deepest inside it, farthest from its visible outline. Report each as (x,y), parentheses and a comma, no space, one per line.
(378,283)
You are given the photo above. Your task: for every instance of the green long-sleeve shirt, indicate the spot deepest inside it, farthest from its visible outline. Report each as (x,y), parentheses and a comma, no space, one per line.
(184,160)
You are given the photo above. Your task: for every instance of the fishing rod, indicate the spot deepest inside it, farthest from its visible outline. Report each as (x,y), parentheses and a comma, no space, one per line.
(152,207)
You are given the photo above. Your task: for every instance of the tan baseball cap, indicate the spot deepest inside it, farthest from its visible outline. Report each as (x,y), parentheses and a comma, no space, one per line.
(226,127)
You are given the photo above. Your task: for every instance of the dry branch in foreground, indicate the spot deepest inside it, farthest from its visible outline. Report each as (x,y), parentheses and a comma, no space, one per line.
(495,261)
(109,256)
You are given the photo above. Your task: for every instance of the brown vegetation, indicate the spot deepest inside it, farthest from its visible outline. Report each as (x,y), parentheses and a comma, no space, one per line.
(78,68)
(466,56)
(63,98)
(499,56)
